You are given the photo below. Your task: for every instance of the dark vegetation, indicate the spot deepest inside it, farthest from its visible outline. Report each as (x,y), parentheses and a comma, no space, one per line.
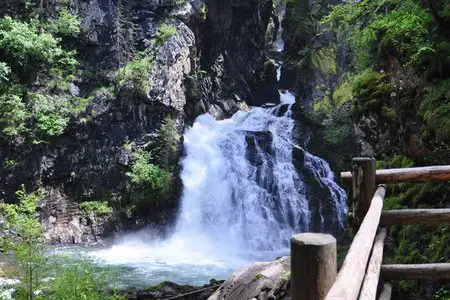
(393,94)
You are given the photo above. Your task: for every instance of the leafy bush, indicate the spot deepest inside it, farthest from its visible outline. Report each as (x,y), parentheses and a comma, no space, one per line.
(13,113)
(435,110)
(150,184)
(66,25)
(403,25)
(99,208)
(166,31)
(29,51)
(137,74)
(22,221)
(370,89)
(166,142)
(144,173)
(79,281)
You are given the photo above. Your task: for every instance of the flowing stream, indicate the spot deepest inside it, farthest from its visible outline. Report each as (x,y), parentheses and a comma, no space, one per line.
(246,189)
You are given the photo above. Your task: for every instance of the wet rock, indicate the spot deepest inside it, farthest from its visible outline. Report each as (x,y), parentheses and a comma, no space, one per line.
(169,289)
(258,281)
(64,223)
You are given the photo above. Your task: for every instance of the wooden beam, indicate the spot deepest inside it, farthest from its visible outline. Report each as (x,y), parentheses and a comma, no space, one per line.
(313,265)
(386,292)
(350,277)
(415,216)
(413,272)
(370,284)
(363,183)
(419,174)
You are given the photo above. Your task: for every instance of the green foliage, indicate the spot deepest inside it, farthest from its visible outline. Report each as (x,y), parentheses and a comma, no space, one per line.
(397,161)
(150,183)
(324,59)
(99,208)
(35,60)
(166,31)
(29,51)
(404,26)
(136,74)
(13,112)
(370,89)
(144,173)
(338,128)
(27,247)
(79,282)
(51,114)
(435,110)
(166,142)
(66,25)
(343,93)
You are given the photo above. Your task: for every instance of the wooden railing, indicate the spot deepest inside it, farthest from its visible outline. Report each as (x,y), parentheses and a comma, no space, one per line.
(313,255)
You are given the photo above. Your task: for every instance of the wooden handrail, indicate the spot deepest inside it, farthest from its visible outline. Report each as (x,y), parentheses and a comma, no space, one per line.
(423,271)
(350,277)
(362,268)
(370,284)
(418,174)
(415,216)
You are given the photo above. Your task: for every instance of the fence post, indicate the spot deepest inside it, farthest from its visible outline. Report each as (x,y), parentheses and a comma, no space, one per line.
(313,265)
(364,186)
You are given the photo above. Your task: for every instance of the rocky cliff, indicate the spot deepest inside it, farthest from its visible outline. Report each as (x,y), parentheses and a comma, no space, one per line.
(193,57)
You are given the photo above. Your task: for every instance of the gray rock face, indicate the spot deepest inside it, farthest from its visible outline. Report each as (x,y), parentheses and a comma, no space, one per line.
(64,223)
(173,64)
(261,281)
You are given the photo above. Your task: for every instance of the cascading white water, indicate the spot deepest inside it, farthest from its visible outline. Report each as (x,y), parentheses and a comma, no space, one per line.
(241,187)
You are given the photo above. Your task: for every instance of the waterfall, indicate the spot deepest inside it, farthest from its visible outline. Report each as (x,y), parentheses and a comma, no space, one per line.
(247,187)
(241,187)
(244,189)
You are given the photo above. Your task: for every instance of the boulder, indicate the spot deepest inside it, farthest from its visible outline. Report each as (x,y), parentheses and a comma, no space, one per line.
(269,280)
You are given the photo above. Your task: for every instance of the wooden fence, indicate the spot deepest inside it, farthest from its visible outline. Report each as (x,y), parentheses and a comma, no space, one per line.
(313,255)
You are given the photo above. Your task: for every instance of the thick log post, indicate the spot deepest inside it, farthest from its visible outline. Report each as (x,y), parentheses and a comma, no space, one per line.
(363,179)
(386,292)
(313,265)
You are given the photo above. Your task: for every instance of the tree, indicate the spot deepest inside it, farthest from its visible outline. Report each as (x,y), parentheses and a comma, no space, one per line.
(26,242)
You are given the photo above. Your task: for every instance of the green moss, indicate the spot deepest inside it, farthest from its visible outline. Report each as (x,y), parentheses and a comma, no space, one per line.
(99,208)
(136,74)
(156,287)
(435,111)
(324,59)
(285,276)
(343,93)
(166,31)
(389,113)
(257,277)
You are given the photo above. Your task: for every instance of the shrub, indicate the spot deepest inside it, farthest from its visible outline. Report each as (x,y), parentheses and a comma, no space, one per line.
(145,174)
(167,141)
(137,74)
(80,281)
(166,31)
(99,208)
(13,113)
(435,110)
(29,51)
(150,184)
(66,25)
(27,247)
